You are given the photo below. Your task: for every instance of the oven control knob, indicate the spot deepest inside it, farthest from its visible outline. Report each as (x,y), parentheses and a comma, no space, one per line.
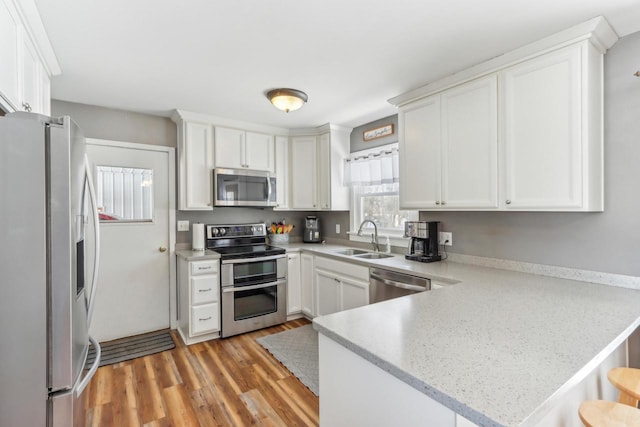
(222,231)
(214,231)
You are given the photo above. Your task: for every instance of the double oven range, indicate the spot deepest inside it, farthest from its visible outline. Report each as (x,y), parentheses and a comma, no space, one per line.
(253,277)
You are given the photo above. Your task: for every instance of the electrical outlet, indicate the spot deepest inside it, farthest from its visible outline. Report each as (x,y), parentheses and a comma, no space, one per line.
(183,225)
(445,236)
(337,228)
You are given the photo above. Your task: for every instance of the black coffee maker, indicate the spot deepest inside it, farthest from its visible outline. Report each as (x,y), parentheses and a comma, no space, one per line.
(423,240)
(312,230)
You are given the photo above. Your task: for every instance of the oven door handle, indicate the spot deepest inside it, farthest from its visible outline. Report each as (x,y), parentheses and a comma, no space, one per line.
(250,288)
(248,260)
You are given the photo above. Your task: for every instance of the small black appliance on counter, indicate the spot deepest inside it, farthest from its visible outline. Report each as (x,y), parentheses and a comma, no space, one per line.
(312,230)
(423,240)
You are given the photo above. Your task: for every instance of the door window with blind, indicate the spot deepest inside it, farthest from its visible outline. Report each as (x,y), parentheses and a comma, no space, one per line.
(124,194)
(374,180)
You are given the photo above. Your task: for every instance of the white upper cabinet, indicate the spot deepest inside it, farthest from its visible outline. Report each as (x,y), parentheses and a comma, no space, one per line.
(470,145)
(229,148)
(282,173)
(24,75)
(238,149)
(547,154)
(449,149)
(195,160)
(536,146)
(10,47)
(420,154)
(259,151)
(317,170)
(303,173)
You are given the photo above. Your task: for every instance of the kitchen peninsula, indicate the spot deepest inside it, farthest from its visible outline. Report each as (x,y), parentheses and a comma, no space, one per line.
(499,348)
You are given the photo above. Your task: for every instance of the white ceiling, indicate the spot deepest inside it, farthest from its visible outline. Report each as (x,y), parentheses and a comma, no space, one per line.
(219,57)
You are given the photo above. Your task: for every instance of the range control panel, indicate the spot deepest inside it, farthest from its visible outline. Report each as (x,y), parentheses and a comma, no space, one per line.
(235,230)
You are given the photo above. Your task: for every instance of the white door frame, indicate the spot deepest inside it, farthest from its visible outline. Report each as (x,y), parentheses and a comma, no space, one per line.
(173,312)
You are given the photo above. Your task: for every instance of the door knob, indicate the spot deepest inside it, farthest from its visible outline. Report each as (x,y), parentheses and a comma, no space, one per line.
(162,248)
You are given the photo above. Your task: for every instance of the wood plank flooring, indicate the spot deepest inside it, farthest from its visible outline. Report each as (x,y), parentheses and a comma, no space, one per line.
(229,382)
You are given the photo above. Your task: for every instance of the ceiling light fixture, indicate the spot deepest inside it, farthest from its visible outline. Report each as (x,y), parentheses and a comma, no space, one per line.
(287,99)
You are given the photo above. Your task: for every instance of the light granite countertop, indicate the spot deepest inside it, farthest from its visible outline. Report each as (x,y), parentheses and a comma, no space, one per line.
(499,347)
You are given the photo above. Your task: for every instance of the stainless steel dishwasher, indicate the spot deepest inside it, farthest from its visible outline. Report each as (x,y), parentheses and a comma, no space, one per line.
(387,284)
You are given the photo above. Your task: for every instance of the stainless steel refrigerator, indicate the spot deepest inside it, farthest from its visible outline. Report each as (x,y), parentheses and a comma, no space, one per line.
(45,284)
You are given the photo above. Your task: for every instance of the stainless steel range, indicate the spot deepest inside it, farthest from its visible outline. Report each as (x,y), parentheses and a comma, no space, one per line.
(253,277)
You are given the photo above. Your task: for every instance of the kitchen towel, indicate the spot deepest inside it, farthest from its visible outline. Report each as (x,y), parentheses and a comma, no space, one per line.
(198,237)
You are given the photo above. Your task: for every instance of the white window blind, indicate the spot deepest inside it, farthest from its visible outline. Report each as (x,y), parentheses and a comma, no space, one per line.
(375,168)
(124,194)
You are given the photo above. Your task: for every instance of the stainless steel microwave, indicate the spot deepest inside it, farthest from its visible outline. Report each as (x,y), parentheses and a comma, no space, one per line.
(240,187)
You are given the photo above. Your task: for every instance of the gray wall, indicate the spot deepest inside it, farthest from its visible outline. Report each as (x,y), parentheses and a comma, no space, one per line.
(358,144)
(608,241)
(118,125)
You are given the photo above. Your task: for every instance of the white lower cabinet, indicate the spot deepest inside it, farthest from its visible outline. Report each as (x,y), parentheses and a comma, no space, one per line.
(294,289)
(306,284)
(198,300)
(339,285)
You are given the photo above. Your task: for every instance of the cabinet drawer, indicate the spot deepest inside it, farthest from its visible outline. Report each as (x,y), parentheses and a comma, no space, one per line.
(343,268)
(205,318)
(204,267)
(204,289)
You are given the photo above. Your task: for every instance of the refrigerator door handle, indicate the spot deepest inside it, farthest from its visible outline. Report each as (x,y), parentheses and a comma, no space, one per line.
(96,231)
(92,371)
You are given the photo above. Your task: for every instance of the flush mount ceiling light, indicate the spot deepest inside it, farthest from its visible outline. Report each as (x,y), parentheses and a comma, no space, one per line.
(287,99)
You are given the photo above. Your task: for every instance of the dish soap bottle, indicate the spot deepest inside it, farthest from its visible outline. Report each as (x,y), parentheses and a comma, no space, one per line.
(387,246)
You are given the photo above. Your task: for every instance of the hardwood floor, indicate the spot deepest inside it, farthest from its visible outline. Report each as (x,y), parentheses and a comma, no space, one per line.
(229,382)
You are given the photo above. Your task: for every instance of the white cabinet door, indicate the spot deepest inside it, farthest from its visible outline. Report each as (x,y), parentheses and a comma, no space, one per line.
(327,292)
(303,173)
(543,156)
(420,155)
(31,98)
(196,166)
(307,285)
(229,148)
(294,289)
(470,145)
(10,37)
(259,151)
(324,171)
(205,289)
(353,293)
(282,173)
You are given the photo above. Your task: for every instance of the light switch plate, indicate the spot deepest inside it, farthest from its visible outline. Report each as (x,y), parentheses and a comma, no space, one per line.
(183,225)
(337,228)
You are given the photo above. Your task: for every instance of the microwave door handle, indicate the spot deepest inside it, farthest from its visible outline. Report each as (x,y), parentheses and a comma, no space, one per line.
(250,288)
(269,189)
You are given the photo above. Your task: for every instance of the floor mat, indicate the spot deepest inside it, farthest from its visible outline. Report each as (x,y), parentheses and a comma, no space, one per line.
(297,349)
(132,347)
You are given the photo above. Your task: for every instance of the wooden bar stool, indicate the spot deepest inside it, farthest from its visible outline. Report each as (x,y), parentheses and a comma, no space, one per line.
(627,381)
(602,413)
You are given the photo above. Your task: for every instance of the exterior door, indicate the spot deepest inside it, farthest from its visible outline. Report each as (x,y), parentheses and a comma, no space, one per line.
(133,294)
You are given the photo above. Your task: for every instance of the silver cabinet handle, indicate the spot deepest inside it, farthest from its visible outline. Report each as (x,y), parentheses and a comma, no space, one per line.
(508,202)
(204,268)
(437,202)
(204,290)
(26,107)
(205,318)
(444,203)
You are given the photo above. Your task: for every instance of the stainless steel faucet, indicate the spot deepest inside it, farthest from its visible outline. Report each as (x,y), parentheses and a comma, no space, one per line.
(374,236)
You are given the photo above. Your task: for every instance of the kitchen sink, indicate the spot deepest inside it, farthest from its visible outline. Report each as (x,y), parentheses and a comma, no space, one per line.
(372,255)
(350,252)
